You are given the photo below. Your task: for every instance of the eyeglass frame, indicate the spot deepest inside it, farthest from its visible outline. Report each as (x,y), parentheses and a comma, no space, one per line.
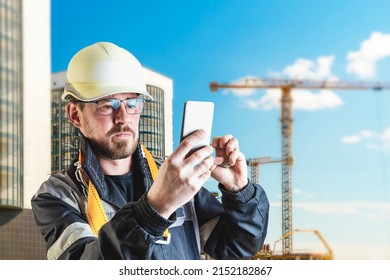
(138,101)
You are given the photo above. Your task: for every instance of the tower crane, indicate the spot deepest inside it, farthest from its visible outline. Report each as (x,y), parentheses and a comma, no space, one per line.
(254,164)
(286,120)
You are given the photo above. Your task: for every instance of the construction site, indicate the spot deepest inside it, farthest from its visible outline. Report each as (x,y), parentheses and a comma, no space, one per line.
(284,248)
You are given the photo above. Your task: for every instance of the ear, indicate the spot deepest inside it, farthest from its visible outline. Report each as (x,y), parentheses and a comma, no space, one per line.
(73,112)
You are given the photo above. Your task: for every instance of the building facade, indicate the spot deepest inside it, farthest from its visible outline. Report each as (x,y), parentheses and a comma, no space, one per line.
(156,124)
(24,122)
(11,105)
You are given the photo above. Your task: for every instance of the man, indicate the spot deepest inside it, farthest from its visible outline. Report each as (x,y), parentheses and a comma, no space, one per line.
(111,204)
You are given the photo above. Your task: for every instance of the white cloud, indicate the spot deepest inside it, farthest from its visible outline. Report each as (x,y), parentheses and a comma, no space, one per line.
(363,62)
(300,193)
(302,100)
(364,134)
(241,92)
(385,136)
(376,141)
(270,100)
(308,69)
(351,139)
(324,99)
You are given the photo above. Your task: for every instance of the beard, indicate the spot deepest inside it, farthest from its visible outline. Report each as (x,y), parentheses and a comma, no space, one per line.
(115,150)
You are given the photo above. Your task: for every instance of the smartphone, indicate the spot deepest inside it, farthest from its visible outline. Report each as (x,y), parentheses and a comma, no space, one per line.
(197,115)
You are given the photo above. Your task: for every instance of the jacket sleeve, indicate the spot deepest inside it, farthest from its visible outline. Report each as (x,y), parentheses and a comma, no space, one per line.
(238,228)
(59,215)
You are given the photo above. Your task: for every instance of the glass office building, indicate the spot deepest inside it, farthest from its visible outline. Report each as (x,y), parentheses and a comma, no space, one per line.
(151,127)
(11,104)
(24,123)
(64,142)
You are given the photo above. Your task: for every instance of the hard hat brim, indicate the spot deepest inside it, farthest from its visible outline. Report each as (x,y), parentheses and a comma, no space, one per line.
(91,92)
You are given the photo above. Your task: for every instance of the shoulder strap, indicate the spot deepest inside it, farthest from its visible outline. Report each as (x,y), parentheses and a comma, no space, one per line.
(96,215)
(152,164)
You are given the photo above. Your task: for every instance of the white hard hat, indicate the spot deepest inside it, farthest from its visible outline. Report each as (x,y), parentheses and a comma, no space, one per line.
(103,69)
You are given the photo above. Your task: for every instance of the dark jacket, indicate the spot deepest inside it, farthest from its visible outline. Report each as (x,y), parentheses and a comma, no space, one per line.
(233,229)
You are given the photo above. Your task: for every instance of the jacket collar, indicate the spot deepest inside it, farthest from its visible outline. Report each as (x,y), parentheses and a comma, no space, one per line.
(95,173)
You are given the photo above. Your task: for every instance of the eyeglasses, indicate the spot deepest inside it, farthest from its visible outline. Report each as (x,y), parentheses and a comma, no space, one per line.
(110,106)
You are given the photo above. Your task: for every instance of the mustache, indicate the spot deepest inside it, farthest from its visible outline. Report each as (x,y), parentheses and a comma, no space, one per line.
(120,129)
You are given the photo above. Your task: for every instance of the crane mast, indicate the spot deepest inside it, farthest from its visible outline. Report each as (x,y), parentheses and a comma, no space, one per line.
(286,121)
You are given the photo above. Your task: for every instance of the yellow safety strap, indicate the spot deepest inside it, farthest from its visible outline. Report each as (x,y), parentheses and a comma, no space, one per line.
(152,164)
(96,214)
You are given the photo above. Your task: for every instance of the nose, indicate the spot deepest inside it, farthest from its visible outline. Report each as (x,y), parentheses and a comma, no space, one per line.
(121,116)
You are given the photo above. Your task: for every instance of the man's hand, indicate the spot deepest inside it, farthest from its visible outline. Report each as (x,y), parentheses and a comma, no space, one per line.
(229,167)
(180,177)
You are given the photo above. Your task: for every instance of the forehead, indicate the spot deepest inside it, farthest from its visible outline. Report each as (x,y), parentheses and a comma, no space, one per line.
(122,96)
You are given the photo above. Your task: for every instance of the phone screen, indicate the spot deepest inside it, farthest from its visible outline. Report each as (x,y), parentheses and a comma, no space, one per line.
(198,115)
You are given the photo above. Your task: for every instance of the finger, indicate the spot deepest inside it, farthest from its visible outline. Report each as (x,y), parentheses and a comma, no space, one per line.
(221,162)
(199,155)
(220,142)
(233,157)
(199,176)
(218,160)
(215,142)
(232,146)
(224,140)
(236,156)
(189,142)
(205,166)
(204,177)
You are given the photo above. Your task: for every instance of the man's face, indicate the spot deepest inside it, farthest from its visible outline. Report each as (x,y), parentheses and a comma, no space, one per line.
(114,136)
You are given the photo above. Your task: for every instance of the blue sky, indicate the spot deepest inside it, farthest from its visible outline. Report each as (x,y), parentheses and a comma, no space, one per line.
(341,139)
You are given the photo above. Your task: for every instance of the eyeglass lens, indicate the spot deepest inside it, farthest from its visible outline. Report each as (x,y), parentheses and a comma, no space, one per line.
(109,106)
